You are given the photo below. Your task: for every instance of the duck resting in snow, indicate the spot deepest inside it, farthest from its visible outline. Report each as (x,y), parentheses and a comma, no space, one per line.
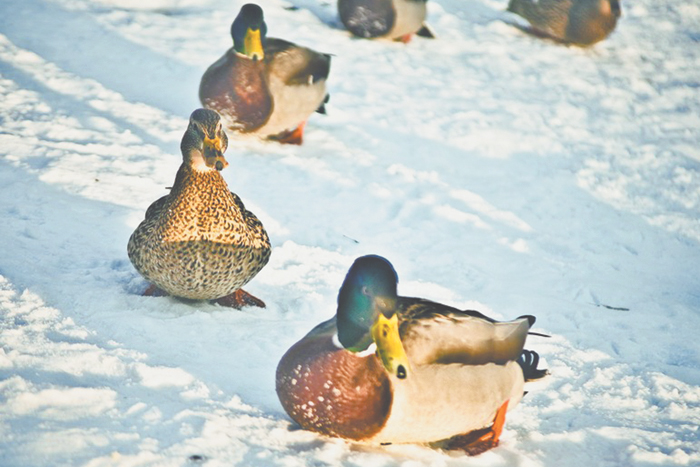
(388,19)
(579,22)
(392,369)
(199,242)
(265,86)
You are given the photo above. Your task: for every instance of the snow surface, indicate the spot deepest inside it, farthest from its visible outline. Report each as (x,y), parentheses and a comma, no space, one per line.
(494,169)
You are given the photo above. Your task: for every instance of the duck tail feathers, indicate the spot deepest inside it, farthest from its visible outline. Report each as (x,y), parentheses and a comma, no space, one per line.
(426,32)
(322,108)
(531,319)
(528,361)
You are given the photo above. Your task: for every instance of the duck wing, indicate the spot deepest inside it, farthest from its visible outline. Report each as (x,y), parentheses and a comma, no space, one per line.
(433,333)
(156,208)
(294,64)
(252,222)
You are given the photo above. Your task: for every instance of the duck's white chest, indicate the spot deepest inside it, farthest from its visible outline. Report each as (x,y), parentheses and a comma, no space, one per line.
(437,402)
(410,15)
(292,104)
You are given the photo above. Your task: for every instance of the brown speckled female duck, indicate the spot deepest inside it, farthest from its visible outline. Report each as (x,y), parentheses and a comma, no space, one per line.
(199,242)
(265,86)
(580,22)
(393,369)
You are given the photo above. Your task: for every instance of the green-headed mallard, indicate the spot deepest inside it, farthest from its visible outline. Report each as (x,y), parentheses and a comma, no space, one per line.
(391,369)
(580,22)
(389,19)
(199,242)
(265,86)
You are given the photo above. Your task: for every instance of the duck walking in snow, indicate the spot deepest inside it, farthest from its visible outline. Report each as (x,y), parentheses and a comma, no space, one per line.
(199,242)
(391,369)
(390,19)
(265,86)
(580,22)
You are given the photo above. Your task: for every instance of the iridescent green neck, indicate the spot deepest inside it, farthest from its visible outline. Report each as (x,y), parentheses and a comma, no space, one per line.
(369,282)
(355,318)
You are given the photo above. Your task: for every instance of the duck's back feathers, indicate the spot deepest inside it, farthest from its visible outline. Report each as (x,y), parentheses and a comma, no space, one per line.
(550,18)
(367,18)
(437,334)
(296,80)
(156,208)
(592,20)
(392,19)
(294,64)
(581,22)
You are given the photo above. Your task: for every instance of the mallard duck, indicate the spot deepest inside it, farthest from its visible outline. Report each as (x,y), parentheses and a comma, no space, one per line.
(392,369)
(199,242)
(389,19)
(580,22)
(265,86)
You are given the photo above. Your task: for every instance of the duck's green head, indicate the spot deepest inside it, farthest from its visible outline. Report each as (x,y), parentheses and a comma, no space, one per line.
(248,32)
(205,142)
(367,312)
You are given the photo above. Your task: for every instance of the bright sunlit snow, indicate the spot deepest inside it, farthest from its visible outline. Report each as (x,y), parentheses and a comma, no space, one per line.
(496,170)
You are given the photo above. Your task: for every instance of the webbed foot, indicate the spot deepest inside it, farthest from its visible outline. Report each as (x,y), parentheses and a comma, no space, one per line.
(239,299)
(154,291)
(295,136)
(479,441)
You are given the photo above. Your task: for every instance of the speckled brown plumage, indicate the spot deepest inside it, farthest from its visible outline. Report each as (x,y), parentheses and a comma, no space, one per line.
(199,241)
(581,22)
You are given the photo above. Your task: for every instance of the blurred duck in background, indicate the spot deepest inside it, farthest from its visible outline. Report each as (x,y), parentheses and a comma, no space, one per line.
(265,86)
(579,22)
(389,19)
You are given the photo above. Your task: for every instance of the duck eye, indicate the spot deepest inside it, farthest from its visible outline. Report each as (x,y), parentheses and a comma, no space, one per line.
(365,290)
(401,372)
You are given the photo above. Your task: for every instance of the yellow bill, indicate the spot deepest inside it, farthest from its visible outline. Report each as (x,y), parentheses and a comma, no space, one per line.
(385,333)
(253,45)
(213,154)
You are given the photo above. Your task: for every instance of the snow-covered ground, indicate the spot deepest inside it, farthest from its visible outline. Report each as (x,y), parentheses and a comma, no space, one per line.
(494,169)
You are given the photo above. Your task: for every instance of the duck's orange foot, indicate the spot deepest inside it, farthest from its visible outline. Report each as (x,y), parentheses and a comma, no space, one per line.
(406,38)
(239,299)
(154,291)
(295,136)
(478,441)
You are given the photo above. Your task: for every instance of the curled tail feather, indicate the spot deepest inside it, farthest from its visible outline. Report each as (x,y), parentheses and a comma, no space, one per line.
(528,361)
